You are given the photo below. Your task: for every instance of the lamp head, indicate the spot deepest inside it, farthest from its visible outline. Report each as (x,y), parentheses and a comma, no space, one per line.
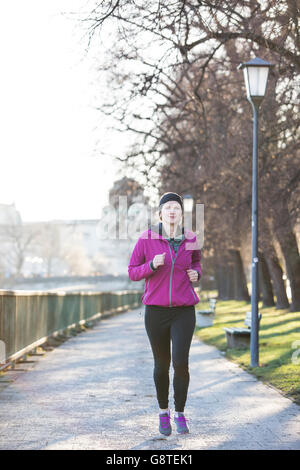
(188,202)
(256,76)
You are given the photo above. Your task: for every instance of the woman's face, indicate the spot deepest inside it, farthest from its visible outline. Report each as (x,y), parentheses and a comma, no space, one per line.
(171,212)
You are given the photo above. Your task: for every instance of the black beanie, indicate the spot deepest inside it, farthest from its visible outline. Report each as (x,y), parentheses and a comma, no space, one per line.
(171,197)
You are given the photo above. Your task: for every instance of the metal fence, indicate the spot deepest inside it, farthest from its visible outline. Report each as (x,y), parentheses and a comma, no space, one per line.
(29,318)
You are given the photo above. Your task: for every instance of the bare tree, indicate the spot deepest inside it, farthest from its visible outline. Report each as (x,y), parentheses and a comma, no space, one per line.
(49,245)
(16,241)
(78,262)
(174,84)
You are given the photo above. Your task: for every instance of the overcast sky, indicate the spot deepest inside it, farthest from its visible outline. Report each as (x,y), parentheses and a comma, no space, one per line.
(50,165)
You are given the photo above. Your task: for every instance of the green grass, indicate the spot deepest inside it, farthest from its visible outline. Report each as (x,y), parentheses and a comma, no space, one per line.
(278,330)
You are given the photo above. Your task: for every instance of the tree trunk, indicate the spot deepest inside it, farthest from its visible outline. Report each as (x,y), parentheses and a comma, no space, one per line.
(265,285)
(274,267)
(289,249)
(221,281)
(240,289)
(288,243)
(276,272)
(230,280)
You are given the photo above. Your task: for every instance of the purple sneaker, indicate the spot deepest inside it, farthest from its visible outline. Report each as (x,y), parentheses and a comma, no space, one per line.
(181,424)
(165,424)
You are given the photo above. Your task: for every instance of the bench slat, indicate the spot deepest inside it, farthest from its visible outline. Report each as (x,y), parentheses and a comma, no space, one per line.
(238,331)
(247,321)
(205,312)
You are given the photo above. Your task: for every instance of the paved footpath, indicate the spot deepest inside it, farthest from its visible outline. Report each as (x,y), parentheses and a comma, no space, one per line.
(96,391)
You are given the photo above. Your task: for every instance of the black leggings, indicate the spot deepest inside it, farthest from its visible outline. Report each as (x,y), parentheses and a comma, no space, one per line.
(165,324)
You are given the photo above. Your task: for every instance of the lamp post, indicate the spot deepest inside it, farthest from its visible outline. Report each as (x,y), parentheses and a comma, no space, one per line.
(256,76)
(188,204)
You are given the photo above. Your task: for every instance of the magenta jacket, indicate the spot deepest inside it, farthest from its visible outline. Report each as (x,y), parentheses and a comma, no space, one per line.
(169,284)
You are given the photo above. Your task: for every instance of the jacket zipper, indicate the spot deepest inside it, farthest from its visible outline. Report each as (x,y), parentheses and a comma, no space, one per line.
(173,262)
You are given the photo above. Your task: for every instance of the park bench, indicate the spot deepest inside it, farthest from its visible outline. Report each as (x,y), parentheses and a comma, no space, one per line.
(206,317)
(240,337)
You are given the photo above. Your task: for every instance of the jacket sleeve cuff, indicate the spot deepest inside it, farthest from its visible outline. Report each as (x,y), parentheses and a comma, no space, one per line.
(151,266)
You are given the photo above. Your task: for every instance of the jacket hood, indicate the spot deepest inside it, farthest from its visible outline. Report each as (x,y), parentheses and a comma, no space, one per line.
(158,231)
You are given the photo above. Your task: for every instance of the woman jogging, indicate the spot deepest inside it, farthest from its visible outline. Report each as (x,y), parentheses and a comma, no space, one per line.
(167,257)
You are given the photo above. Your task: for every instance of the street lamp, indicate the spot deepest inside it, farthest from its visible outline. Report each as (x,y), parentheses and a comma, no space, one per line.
(188,204)
(256,75)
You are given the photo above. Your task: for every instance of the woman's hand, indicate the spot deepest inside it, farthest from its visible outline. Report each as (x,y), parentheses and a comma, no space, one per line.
(159,260)
(193,275)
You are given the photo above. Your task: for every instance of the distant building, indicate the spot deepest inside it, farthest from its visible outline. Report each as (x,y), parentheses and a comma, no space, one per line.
(9,219)
(100,256)
(64,247)
(9,215)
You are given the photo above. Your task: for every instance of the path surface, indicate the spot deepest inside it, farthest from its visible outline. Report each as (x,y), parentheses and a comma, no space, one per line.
(96,391)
